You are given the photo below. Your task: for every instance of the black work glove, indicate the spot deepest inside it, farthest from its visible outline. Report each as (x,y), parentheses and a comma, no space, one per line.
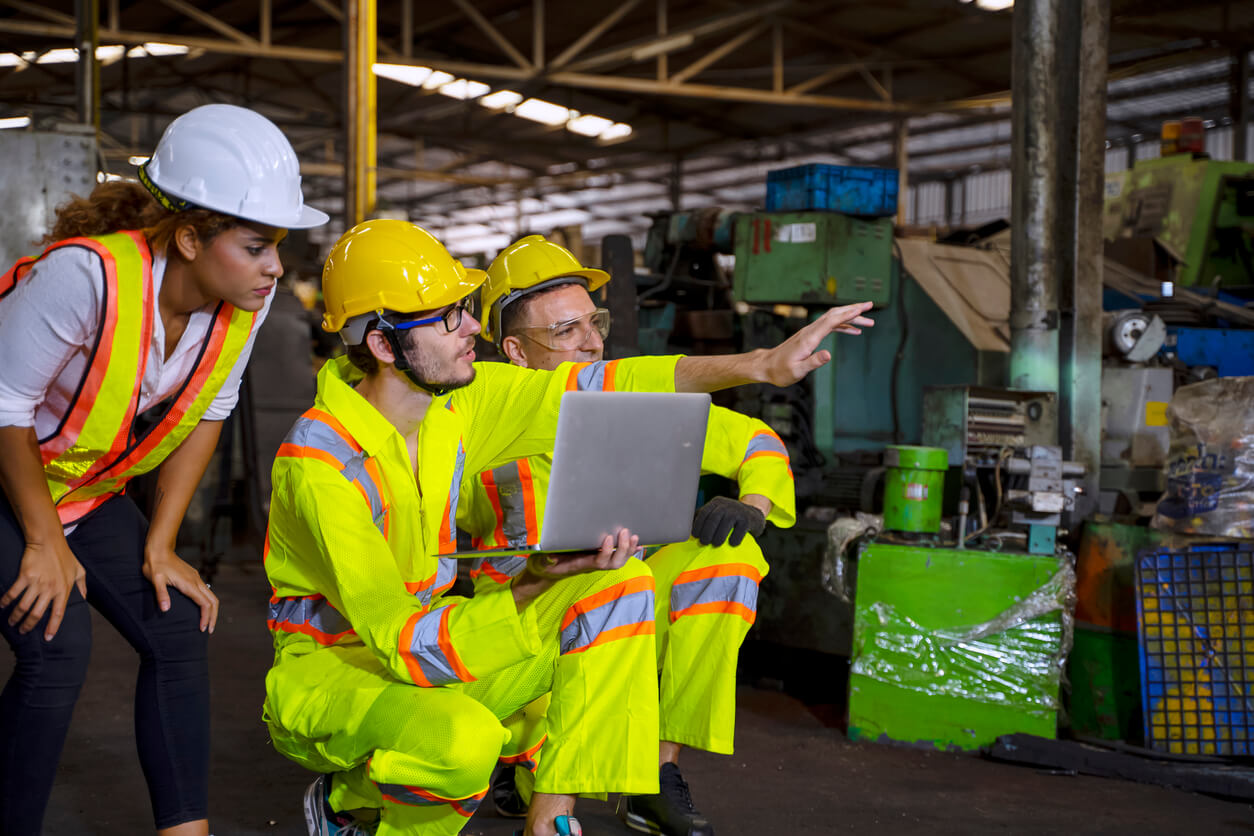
(721,517)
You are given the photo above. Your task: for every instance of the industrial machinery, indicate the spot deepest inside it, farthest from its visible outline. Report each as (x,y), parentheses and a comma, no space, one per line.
(46,168)
(1199,212)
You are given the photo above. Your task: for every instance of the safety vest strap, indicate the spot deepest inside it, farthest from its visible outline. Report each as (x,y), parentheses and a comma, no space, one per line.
(96,426)
(595,377)
(510,489)
(218,355)
(448,523)
(622,611)
(446,575)
(320,435)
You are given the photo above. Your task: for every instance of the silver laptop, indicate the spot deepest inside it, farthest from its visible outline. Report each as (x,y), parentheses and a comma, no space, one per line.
(620,460)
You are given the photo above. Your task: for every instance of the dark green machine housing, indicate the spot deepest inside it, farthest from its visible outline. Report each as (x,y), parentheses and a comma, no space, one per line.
(812,258)
(868,397)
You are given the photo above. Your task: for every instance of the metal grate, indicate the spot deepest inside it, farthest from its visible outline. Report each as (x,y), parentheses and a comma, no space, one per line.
(1195,619)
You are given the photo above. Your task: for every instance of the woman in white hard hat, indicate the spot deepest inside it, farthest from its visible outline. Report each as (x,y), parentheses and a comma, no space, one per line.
(124,343)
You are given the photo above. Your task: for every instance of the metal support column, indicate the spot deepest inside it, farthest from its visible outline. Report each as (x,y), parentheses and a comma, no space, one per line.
(1082,359)
(86,39)
(1240,104)
(360,43)
(1034,167)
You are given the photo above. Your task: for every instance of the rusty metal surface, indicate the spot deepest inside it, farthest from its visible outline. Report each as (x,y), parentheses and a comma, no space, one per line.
(1034,160)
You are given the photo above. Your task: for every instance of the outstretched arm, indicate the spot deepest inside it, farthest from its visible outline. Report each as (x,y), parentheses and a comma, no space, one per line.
(782,365)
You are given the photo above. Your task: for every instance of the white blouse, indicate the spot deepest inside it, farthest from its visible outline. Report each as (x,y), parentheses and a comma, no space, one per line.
(48,326)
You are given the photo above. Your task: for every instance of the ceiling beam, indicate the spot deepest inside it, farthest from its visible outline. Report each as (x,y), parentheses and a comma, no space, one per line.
(211,22)
(493,34)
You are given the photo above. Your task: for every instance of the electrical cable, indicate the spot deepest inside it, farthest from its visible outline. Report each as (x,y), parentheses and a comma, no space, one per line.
(901,345)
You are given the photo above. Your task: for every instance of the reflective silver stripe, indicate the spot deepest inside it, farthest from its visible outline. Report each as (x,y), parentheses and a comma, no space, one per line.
(454,493)
(592,376)
(513,504)
(424,595)
(632,608)
(737,589)
(402,794)
(508,566)
(314,613)
(446,574)
(765,443)
(310,432)
(426,650)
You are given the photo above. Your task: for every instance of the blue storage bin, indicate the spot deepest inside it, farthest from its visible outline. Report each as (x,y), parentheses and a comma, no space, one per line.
(1195,627)
(853,190)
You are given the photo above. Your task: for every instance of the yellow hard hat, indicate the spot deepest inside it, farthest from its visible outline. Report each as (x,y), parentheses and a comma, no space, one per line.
(391,265)
(527,265)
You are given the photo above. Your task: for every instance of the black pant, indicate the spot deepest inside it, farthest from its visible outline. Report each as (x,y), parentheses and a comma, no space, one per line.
(171,695)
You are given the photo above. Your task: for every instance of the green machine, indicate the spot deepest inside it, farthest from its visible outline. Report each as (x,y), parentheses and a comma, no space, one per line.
(1199,210)
(871,393)
(953,648)
(812,258)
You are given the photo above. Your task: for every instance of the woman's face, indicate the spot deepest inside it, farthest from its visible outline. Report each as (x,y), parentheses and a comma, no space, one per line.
(240,266)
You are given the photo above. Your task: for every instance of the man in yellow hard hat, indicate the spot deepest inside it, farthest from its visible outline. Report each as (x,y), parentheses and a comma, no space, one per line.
(540,313)
(390,688)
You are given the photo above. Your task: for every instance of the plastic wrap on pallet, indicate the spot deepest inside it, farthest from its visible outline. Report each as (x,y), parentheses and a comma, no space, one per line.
(837,571)
(1016,657)
(1210,460)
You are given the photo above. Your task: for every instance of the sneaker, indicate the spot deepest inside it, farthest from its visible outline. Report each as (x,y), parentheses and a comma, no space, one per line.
(322,820)
(669,813)
(506,798)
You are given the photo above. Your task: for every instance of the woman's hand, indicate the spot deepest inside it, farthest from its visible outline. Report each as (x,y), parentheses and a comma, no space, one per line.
(163,568)
(48,572)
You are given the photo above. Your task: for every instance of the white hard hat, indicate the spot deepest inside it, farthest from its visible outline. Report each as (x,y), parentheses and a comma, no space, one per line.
(231,160)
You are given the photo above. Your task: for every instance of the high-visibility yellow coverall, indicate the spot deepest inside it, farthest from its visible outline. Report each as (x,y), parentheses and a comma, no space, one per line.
(398,689)
(706,596)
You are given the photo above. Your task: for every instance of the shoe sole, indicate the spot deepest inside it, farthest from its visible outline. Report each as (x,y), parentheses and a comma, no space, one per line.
(640,824)
(311,814)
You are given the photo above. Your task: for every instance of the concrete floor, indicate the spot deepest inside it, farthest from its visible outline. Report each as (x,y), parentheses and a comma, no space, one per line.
(792,775)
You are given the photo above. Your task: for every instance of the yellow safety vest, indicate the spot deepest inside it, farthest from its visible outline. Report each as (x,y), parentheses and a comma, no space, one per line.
(356,533)
(96,450)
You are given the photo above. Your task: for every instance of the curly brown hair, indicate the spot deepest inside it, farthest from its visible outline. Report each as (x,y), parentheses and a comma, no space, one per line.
(117,205)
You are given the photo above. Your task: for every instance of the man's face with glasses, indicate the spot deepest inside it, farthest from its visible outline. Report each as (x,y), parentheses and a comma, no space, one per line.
(559,325)
(440,345)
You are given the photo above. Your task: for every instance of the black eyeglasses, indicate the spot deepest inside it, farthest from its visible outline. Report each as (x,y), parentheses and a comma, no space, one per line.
(452,317)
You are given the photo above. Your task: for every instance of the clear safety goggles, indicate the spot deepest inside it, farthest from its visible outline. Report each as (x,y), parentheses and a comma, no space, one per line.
(571,334)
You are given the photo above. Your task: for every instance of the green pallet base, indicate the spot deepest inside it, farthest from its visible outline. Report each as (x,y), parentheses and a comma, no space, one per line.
(890,713)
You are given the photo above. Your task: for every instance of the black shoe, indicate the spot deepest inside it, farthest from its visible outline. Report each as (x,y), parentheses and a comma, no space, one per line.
(669,813)
(506,798)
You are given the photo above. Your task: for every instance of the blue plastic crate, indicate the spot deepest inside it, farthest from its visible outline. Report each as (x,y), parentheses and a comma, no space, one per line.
(853,190)
(1195,628)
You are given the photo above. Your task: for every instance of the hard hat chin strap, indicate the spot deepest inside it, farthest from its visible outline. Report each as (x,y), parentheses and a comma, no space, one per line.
(402,365)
